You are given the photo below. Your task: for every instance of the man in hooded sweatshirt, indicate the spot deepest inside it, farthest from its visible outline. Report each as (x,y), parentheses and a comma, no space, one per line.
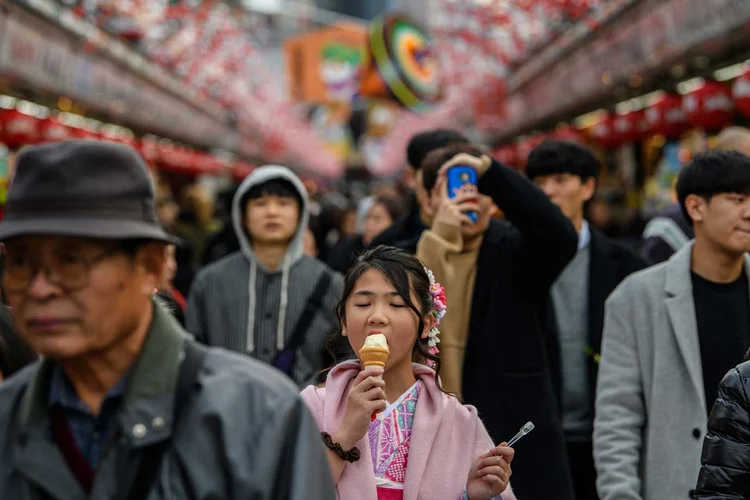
(268,299)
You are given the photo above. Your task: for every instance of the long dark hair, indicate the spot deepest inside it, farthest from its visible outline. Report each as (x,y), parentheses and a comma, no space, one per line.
(406,273)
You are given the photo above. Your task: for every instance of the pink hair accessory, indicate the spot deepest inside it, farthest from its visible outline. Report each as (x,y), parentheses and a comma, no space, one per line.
(439,307)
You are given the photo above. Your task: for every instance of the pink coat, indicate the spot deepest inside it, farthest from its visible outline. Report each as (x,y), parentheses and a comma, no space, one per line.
(446,439)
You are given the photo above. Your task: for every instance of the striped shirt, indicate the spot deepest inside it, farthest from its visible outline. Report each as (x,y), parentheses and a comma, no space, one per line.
(218,310)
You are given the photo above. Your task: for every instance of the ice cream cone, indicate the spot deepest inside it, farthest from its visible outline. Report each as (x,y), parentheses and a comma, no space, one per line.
(374,356)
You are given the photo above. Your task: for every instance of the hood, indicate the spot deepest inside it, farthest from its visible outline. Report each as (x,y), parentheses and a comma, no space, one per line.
(259,176)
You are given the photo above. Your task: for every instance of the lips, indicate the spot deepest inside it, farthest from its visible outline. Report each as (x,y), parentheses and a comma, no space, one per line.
(47,322)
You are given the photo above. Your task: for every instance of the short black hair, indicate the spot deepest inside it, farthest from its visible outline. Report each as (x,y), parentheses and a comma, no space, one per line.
(423,143)
(712,173)
(272,187)
(562,157)
(439,157)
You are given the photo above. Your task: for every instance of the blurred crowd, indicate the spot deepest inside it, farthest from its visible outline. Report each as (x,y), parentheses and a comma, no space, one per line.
(616,352)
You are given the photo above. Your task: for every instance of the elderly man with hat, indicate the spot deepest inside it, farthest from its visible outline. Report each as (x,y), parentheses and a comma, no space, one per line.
(123,404)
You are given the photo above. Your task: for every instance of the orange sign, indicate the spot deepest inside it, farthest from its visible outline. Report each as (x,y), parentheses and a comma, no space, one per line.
(325,65)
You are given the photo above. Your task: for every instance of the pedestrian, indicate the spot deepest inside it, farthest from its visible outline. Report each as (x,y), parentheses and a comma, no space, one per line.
(406,231)
(423,443)
(268,300)
(670,231)
(568,174)
(671,333)
(498,275)
(725,470)
(123,405)
(379,214)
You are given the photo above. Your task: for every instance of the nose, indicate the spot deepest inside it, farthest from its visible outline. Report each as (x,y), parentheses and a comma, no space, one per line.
(41,288)
(378,317)
(548,187)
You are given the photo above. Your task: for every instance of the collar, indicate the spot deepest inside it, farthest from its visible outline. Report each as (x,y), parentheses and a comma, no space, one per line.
(148,397)
(584,237)
(62,392)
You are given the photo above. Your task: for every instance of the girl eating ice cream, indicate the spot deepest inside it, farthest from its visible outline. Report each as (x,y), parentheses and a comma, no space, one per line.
(391,432)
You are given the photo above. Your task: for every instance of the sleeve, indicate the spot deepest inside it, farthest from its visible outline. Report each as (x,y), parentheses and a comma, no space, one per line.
(195,318)
(725,461)
(292,456)
(540,222)
(620,408)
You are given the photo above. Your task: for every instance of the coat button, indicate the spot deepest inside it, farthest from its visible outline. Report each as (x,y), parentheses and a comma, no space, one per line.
(158,423)
(139,431)
(697,433)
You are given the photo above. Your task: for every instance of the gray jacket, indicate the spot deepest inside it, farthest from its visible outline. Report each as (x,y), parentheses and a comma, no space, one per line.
(650,402)
(238,304)
(245,433)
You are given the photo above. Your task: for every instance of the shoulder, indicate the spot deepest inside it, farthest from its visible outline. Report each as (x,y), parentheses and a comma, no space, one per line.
(734,385)
(226,266)
(314,397)
(641,285)
(12,389)
(234,384)
(314,268)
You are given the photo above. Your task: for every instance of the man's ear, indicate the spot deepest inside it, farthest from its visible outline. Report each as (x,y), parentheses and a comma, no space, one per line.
(695,206)
(151,259)
(589,189)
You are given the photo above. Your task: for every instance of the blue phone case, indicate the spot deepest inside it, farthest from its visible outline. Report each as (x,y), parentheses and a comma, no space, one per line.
(457,177)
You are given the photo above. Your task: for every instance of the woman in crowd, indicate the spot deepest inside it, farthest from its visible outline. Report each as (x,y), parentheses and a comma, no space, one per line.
(379,213)
(392,432)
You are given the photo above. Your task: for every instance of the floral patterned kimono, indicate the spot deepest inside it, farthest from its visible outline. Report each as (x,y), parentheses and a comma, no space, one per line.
(390,436)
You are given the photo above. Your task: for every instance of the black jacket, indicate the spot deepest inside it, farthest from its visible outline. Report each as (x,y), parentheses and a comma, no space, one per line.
(725,471)
(610,263)
(506,374)
(405,232)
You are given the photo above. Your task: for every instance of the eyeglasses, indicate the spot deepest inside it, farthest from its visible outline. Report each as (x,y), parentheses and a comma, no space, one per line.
(66,269)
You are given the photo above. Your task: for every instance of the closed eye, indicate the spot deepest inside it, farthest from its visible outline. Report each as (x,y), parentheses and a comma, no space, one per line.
(361,305)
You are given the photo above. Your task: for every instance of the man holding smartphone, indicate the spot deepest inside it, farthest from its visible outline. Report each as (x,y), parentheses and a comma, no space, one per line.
(497,276)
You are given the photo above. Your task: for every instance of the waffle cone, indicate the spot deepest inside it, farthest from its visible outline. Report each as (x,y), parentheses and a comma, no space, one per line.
(374,356)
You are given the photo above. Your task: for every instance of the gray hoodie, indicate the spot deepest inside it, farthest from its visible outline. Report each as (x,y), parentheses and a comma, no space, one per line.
(238,304)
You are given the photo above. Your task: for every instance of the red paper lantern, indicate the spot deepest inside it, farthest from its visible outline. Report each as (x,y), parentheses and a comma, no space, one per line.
(19,129)
(604,133)
(567,133)
(630,127)
(51,130)
(710,107)
(741,93)
(667,117)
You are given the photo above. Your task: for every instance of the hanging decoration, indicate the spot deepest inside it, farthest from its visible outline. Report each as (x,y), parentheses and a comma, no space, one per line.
(710,107)
(401,64)
(667,117)
(741,93)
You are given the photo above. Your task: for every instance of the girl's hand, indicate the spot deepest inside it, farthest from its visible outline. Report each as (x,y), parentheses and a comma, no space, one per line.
(490,474)
(367,395)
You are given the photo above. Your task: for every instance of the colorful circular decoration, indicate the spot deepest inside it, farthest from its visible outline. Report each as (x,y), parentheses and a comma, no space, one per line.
(405,62)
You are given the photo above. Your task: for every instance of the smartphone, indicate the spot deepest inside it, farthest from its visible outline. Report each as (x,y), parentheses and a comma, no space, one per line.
(460,178)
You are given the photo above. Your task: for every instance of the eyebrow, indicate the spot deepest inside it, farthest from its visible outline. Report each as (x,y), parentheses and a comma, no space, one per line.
(368,293)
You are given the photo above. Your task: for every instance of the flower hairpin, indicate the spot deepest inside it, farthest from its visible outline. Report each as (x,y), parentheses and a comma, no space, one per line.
(439,307)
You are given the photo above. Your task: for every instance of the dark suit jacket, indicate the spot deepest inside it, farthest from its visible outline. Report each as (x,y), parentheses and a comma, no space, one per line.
(506,375)
(610,264)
